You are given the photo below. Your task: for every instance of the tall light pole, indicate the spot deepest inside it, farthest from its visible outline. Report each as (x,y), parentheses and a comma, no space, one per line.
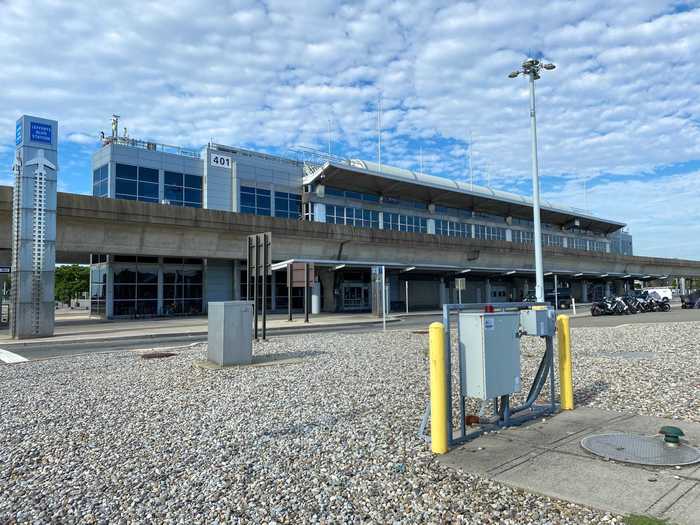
(532,68)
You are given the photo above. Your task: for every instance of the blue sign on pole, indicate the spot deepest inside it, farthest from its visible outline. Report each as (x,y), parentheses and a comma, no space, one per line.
(40,132)
(18,133)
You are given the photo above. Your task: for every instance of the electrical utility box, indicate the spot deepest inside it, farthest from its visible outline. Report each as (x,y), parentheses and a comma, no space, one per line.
(230,340)
(489,346)
(540,322)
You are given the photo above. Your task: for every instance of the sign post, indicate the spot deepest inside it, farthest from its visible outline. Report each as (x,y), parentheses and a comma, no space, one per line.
(259,267)
(460,284)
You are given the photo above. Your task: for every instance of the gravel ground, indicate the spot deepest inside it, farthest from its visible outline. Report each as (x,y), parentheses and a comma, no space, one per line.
(329,439)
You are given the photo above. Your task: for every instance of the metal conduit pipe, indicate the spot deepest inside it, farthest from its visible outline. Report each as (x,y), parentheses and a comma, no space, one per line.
(537,384)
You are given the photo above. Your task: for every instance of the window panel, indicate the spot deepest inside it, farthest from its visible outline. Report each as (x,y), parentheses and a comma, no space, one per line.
(148,175)
(192,195)
(146,189)
(126,187)
(126,275)
(173,193)
(193,181)
(172,178)
(147,291)
(125,171)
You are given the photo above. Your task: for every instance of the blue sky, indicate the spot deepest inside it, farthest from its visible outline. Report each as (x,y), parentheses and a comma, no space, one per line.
(619,116)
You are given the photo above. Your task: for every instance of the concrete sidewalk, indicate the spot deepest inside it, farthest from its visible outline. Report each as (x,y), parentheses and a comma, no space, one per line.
(72,328)
(546,457)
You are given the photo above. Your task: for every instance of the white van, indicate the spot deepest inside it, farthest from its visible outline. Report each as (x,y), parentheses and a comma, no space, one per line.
(664,293)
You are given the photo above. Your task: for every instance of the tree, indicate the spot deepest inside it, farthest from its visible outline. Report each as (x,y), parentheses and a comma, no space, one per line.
(71,281)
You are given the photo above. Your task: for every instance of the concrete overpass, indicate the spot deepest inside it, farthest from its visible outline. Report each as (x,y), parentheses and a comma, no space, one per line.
(88,225)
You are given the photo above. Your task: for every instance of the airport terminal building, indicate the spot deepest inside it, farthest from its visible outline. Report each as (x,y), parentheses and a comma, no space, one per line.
(328,189)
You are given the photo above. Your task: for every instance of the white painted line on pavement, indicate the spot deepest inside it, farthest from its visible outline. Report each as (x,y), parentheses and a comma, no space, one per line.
(9,357)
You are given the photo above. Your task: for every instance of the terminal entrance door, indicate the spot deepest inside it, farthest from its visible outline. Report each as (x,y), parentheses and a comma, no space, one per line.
(355,296)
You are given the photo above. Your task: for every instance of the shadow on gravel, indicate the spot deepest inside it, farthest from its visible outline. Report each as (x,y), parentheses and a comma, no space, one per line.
(264,359)
(589,392)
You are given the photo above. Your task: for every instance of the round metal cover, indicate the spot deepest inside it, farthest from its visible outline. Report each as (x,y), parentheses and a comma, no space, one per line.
(643,450)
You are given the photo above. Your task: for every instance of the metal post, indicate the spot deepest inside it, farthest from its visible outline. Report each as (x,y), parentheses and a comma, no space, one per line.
(459,296)
(265,248)
(556,293)
(406,296)
(384,298)
(255,286)
(247,272)
(306,292)
(289,292)
(539,273)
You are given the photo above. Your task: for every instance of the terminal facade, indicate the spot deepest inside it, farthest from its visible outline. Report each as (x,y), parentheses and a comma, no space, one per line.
(322,188)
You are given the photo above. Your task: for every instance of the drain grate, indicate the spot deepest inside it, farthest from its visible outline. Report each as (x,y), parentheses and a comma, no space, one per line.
(642,450)
(157,355)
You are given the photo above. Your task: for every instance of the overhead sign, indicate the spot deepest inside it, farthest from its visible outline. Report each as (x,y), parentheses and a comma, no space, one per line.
(39,132)
(5,269)
(18,133)
(220,161)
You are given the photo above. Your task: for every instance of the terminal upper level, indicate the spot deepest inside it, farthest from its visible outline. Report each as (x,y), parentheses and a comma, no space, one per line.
(339,191)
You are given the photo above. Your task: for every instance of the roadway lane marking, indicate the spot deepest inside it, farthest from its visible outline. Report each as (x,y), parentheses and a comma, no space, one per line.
(9,357)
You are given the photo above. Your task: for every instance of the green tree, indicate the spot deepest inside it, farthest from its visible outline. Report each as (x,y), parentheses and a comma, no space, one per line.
(71,281)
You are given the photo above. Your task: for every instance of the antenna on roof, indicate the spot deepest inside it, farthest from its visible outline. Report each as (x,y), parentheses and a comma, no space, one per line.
(115,126)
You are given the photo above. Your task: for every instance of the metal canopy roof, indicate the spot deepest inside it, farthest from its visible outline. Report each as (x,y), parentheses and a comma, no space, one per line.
(390,181)
(462,270)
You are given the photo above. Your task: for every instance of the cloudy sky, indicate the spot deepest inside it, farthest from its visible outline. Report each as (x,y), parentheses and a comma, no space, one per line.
(618,117)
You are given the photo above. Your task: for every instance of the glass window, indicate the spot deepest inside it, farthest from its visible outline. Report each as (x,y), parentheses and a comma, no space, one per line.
(125,171)
(127,187)
(173,193)
(192,195)
(287,205)
(172,178)
(255,200)
(146,189)
(148,175)
(193,181)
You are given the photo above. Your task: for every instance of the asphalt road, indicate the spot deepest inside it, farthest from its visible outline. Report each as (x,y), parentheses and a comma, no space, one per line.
(34,351)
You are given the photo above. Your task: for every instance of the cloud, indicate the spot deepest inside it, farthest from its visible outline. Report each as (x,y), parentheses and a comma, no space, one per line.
(623,101)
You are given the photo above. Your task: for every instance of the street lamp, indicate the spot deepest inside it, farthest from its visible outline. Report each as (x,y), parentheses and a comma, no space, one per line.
(532,68)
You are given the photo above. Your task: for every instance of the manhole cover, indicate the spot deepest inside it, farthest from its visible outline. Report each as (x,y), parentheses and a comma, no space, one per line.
(643,450)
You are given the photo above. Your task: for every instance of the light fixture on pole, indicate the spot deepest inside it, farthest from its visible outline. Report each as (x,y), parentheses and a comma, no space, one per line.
(532,68)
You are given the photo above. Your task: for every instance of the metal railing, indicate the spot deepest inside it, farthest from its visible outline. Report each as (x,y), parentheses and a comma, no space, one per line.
(151,146)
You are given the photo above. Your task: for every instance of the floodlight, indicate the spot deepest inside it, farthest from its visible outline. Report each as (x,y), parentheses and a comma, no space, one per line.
(514,74)
(549,66)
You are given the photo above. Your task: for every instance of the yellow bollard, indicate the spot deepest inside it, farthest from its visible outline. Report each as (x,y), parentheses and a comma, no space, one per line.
(565,367)
(438,389)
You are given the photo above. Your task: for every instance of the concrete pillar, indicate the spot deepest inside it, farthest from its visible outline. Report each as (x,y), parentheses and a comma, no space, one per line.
(443,292)
(236,280)
(608,289)
(316,298)
(681,285)
(584,291)
(32,305)
(431,226)
(330,289)
(619,287)
(488,291)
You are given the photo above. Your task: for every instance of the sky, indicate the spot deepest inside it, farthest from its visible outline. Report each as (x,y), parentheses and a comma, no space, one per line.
(618,119)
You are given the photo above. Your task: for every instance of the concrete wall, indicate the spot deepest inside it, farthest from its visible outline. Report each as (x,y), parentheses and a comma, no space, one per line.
(93,225)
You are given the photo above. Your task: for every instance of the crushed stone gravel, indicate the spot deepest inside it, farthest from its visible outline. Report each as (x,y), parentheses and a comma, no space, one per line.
(113,438)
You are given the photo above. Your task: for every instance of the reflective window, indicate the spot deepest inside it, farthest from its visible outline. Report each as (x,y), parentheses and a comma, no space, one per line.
(523,237)
(98,289)
(405,223)
(552,240)
(100,181)
(136,289)
(356,195)
(579,244)
(452,229)
(182,189)
(489,233)
(255,200)
(358,217)
(287,205)
(134,183)
(182,289)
